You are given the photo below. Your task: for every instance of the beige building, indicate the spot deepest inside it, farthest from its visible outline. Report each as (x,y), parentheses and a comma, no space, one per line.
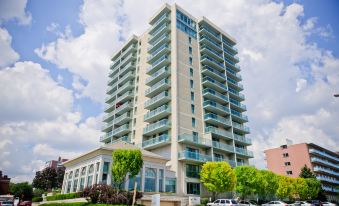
(175,91)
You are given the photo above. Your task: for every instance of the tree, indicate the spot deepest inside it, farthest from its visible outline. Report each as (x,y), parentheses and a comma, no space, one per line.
(268,184)
(299,189)
(218,177)
(285,188)
(247,180)
(314,187)
(60,177)
(125,162)
(306,172)
(22,190)
(46,179)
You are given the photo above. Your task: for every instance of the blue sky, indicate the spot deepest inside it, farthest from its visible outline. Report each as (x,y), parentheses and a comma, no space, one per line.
(59,52)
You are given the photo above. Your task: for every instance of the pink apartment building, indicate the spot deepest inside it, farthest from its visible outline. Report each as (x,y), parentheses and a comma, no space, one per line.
(289,159)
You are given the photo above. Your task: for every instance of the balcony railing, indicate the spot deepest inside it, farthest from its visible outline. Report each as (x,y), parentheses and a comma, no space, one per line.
(187,155)
(164,138)
(124,107)
(212,51)
(326,170)
(214,72)
(158,31)
(328,179)
(229,46)
(213,61)
(196,140)
(244,152)
(160,39)
(235,74)
(238,104)
(241,127)
(236,93)
(158,100)
(162,18)
(218,132)
(164,109)
(239,115)
(216,94)
(216,107)
(210,32)
(235,83)
(222,146)
(157,127)
(217,85)
(158,85)
(217,118)
(210,41)
(242,139)
(161,73)
(160,62)
(316,159)
(324,154)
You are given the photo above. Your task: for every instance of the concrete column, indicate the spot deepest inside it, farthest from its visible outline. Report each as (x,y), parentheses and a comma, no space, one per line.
(101,169)
(86,176)
(143,179)
(157,180)
(109,176)
(64,183)
(72,181)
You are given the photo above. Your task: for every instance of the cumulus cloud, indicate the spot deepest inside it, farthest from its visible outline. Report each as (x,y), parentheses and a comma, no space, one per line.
(8,55)
(14,9)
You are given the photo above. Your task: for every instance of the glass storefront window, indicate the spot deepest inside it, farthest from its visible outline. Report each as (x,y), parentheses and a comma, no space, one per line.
(170,185)
(75,184)
(193,188)
(150,180)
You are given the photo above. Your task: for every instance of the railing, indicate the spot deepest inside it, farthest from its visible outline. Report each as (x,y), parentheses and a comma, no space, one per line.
(216,105)
(157,62)
(159,139)
(218,132)
(162,37)
(164,16)
(210,40)
(232,81)
(124,95)
(223,146)
(157,98)
(222,75)
(195,139)
(210,32)
(156,86)
(241,127)
(238,104)
(213,61)
(328,179)
(157,31)
(234,73)
(123,106)
(242,139)
(212,51)
(194,156)
(316,159)
(151,127)
(232,91)
(215,93)
(157,73)
(238,114)
(232,55)
(229,46)
(209,79)
(121,117)
(318,168)
(243,152)
(157,111)
(157,51)
(217,118)
(121,128)
(324,154)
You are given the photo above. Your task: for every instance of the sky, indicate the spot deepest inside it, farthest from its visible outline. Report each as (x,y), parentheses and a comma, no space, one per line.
(55,58)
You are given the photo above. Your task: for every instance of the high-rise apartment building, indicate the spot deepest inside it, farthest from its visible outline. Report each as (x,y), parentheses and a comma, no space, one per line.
(289,159)
(175,91)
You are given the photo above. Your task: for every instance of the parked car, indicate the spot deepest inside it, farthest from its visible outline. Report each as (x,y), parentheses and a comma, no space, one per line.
(328,204)
(315,202)
(301,203)
(247,203)
(6,203)
(275,203)
(223,202)
(25,203)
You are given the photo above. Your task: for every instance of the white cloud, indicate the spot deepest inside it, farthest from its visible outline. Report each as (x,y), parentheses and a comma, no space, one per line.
(8,55)
(28,92)
(301,84)
(14,9)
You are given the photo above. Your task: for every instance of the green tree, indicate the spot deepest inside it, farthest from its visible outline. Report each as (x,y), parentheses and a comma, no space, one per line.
(306,172)
(247,180)
(218,177)
(285,188)
(46,179)
(125,162)
(314,187)
(267,184)
(300,189)
(22,190)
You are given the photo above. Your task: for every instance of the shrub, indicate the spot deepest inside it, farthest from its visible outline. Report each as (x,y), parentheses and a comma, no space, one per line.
(63,196)
(80,204)
(105,194)
(204,201)
(37,199)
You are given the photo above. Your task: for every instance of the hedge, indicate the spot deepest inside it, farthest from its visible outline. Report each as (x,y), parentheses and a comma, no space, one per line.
(79,204)
(63,196)
(37,199)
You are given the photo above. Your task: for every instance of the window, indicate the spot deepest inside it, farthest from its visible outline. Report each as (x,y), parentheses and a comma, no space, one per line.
(91,169)
(190,50)
(76,173)
(75,184)
(192,171)
(98,166)
(192,108)
(82,182)
(218,157)
(190,60)
(132,181)
(193,122)
(170,185)
(190,40)
(287,163)
(192,96)
(83,171)
(191,72)
(161,180)
(89,181)
(70,175)
(193,188)
(285,154)
(150,180)
(191,84)
(289,172)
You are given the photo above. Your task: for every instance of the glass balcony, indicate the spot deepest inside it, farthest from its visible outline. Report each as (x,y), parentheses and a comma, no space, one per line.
(160,74)
(192,173)
(158,87)
(157,127)
(233,74)
(158,113)
(111,89)
(127,106)
(210,42)
(127,86)
(232,65)
(216,37)
(231,56)
(164,49)
(194,156)
(128,59)
(194,140)
(325,170)
(238,116)
(242,139)
(122,130)
(108,117)
(106,137)
(314,151)
(211,83)
(240,128)
(129,50)
(129,67)
(208,50)
(236,95)
(214,95)
(220,159)
(207,60)
(158,32)
(235,84)
(125,97)
(206,70)
(110,98)
(107,127)
(158,100)
(244,152)
(215,107)
(163,39)
(156,142)
(327,179)
(223,147)
(164,18)
(218,133)
(324,162)
(125,138)
(127,77)
(229,47)
(161,62)
(217,120)
(330,189)
(122,119)
(237,105)
(113,75)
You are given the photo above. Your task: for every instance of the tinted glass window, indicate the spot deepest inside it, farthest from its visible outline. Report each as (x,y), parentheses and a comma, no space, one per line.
(222,201)
(234,202)
(217,201)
